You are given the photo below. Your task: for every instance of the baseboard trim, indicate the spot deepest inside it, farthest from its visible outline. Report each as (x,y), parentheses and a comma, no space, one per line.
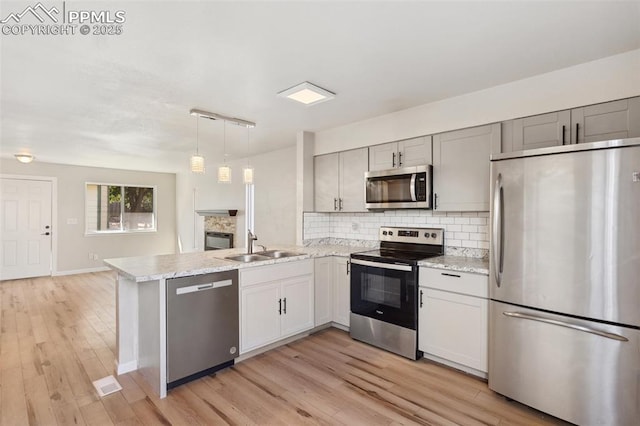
(80,271)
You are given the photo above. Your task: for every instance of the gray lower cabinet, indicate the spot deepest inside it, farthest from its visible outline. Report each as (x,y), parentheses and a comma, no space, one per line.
(461,168)
(606,121)
(339,181)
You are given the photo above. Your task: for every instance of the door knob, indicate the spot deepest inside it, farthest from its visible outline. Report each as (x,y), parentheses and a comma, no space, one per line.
(46,233)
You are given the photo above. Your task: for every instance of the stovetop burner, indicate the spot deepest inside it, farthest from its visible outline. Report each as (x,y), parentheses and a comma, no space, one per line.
(408,245)
(398,254)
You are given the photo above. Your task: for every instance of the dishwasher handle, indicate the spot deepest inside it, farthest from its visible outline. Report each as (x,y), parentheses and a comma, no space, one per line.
(203,287)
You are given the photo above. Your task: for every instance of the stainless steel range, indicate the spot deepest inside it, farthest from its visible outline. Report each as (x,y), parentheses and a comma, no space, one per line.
(384,288)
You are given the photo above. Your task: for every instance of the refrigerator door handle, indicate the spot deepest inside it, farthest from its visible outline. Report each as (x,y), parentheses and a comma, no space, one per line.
(566,324)
(497,237)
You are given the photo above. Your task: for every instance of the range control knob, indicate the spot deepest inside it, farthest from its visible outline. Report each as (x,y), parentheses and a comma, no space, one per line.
(384,232)
(390,232)
(433,235)
(426,235)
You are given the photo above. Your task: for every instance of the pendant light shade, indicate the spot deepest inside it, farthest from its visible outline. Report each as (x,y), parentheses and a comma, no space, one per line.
(224,171)
(197,160)
(224,174)
(197,163)
(247,173)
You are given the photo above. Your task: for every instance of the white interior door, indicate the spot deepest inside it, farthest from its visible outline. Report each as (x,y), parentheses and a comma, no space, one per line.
(25,224)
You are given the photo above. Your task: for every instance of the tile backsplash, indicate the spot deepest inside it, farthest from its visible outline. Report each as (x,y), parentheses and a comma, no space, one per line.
(463,230)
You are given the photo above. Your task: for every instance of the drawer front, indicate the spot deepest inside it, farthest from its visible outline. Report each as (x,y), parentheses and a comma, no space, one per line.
(263,274)
(454,281)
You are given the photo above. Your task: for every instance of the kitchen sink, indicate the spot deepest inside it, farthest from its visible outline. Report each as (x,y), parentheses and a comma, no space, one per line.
(246,258)
(278,253)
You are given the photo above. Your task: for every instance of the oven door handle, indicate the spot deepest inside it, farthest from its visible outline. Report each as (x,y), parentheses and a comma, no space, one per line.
(394,266)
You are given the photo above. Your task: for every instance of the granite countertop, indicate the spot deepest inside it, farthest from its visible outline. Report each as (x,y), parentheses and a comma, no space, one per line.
(149,268)
(458,263)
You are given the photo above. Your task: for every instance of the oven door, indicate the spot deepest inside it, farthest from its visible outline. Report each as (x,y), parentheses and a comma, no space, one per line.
(385,291)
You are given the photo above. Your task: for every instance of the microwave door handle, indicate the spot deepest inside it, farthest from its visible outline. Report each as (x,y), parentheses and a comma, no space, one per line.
(413,187)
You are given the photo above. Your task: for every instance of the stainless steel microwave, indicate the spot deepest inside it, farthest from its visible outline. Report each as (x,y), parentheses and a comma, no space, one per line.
(404,188)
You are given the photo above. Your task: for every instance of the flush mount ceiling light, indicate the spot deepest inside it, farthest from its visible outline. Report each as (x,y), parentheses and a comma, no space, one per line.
(307,93)
(24,158)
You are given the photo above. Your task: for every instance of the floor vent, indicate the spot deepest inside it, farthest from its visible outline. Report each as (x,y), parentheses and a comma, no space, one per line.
(107,385)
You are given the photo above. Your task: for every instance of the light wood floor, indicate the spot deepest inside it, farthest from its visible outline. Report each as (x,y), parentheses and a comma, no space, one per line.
(58,335)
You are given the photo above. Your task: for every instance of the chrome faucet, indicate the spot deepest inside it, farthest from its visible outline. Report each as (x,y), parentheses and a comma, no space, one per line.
(251,237)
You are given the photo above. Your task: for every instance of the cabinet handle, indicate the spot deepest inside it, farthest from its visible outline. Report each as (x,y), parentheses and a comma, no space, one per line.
(450,275)
(435,201)
(393,159)
(577,132)
(563,134)
(285,306)
(279,306)
(335,204)
(399,159)
(421,298)
(340,204)
(348,267)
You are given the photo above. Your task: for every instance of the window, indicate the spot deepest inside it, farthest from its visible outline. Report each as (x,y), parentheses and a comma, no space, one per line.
(119,208)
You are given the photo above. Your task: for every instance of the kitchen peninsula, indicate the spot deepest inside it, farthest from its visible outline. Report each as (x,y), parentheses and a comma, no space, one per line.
(141,284)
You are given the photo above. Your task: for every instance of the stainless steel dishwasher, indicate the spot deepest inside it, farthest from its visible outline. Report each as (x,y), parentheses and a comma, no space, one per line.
(202,325)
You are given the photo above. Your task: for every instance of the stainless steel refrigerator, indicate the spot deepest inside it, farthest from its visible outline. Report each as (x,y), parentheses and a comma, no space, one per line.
(565,281)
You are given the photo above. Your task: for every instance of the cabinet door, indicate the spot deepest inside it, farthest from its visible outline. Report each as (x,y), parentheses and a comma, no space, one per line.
(326,182)
(323,290)
(353,165)
(542,131)
(454,327)
(461,168)
(297,305)
(383,157)
(342,291)
(609,120)
(414,152)
(259,318)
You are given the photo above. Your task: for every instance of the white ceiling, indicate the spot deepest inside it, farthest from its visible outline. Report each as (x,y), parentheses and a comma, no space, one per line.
(123,101)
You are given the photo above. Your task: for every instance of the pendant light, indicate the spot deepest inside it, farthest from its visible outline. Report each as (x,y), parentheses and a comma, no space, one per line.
(197,160)
(224,171)
(247,172)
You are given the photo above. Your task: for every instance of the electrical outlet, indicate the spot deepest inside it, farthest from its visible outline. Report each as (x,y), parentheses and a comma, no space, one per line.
(354,226)
(95,256)
(90,256)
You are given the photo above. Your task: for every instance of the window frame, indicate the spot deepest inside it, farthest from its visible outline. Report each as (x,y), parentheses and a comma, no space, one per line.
(123,186)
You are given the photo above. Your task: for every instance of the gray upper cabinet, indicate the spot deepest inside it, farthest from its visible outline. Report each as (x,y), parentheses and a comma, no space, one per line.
(539,131)
(461,168)
(325,180)
(600,122)
(406,153)
(609,120)
(339,181)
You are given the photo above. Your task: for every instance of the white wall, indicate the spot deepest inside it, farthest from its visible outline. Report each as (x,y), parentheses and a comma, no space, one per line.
(274,199)
(611,78)
(73,247)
